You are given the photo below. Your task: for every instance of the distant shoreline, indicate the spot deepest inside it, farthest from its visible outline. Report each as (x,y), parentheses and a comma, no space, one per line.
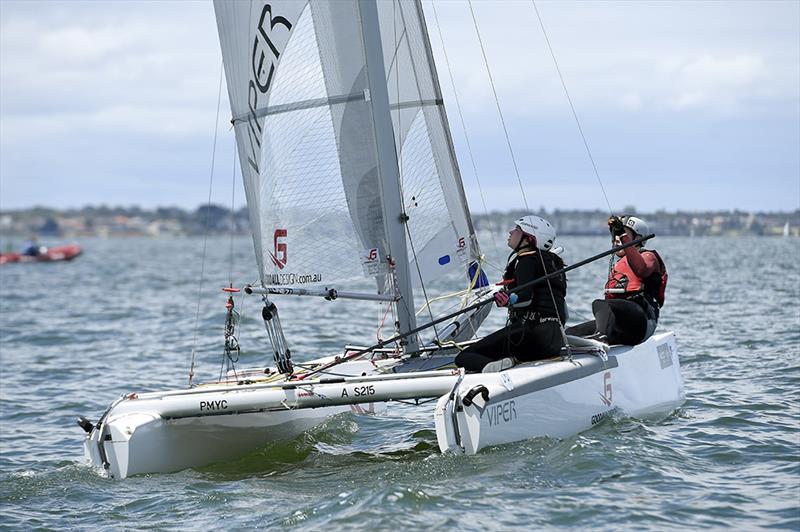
(107,221)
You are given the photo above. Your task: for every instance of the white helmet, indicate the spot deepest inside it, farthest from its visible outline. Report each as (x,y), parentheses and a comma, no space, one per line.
(540,229)
(637,225)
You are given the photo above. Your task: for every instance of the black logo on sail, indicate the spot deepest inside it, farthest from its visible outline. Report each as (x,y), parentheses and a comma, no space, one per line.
(264,58)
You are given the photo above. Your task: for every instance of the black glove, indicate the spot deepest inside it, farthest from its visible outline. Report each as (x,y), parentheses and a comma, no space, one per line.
(616,226)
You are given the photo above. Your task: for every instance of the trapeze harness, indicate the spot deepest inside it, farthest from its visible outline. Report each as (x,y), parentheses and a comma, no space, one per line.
(648,293)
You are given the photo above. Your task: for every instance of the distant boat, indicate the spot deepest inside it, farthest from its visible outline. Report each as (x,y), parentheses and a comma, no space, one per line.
(56,254)
(786,229)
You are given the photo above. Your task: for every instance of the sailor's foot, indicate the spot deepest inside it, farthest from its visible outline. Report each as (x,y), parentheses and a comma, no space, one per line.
(499,365)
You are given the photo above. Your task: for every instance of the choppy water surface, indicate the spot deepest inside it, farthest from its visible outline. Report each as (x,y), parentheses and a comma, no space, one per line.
(122,318)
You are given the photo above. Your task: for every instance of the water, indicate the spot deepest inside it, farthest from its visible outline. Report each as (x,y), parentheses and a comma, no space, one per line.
(121,318)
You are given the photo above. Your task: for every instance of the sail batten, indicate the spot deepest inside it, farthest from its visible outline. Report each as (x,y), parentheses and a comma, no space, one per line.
(297,106)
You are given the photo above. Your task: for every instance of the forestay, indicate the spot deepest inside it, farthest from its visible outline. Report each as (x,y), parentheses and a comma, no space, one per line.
(300,99)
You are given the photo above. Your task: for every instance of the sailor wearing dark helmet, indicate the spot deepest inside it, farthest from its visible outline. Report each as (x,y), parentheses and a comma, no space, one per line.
(535,314)
(634,291)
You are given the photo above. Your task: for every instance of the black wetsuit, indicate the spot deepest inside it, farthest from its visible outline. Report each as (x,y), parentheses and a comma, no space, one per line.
(625,321)
(533,331)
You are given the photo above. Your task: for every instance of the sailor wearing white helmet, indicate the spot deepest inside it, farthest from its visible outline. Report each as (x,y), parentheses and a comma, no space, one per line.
(634,291)
(535,314)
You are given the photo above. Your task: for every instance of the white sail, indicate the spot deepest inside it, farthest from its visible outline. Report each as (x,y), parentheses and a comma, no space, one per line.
(441,234)
(296,74)
(282,116)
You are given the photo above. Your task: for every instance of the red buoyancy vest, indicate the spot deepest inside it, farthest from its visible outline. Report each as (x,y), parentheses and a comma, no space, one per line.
(622,276)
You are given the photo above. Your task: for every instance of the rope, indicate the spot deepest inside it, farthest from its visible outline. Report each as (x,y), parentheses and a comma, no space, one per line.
(383,319)
(392,288)
(497,103)
(555,307)
(205,232)
(460,293)
(421,281)
(479,304)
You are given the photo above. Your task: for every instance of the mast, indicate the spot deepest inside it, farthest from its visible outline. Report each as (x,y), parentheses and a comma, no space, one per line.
(388,169)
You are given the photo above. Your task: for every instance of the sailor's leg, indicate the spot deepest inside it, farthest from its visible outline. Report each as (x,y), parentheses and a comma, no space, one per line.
(491,347)
(623,322)
(651,313)
(543,340)
(472,361)
(583,329)
(605,321)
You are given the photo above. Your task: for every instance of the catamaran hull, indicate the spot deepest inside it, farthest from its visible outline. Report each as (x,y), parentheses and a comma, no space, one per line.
(147,443)
(174,430)
(169,431)
(560,398)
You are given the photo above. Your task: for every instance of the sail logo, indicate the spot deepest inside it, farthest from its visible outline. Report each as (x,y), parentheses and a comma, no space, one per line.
(280,255)
(606,396)
(264,58)
(371,262)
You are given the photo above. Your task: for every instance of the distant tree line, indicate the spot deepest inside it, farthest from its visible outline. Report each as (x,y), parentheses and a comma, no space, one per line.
(217,219)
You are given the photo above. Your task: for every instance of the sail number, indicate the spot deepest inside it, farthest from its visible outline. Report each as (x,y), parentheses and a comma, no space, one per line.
(359,391)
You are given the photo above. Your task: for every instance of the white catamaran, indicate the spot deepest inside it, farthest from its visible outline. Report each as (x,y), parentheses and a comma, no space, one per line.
(344,147)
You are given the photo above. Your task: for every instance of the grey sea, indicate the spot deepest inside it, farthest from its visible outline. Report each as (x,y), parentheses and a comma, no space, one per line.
(125,316)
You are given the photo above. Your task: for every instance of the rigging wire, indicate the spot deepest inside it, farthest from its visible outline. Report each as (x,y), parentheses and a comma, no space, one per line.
(383,319)
(391,277)
(611,259)
(572,106)
(205,232)
(233,212)
(399,144)
(555,305)
(497,103)
(463,122)
(227,359)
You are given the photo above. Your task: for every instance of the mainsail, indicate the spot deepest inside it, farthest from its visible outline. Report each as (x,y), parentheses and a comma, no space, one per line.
(300,93)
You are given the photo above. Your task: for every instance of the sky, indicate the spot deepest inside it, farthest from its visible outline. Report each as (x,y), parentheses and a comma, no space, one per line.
(683,105)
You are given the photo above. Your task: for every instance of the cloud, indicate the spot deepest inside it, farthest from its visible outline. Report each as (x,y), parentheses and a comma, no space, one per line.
(74,46)
(705,57)
(121,91)
(631,100)
(717,82)
(98,58)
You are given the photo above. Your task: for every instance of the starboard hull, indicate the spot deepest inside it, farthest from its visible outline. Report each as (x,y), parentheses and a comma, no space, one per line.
(560,398)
